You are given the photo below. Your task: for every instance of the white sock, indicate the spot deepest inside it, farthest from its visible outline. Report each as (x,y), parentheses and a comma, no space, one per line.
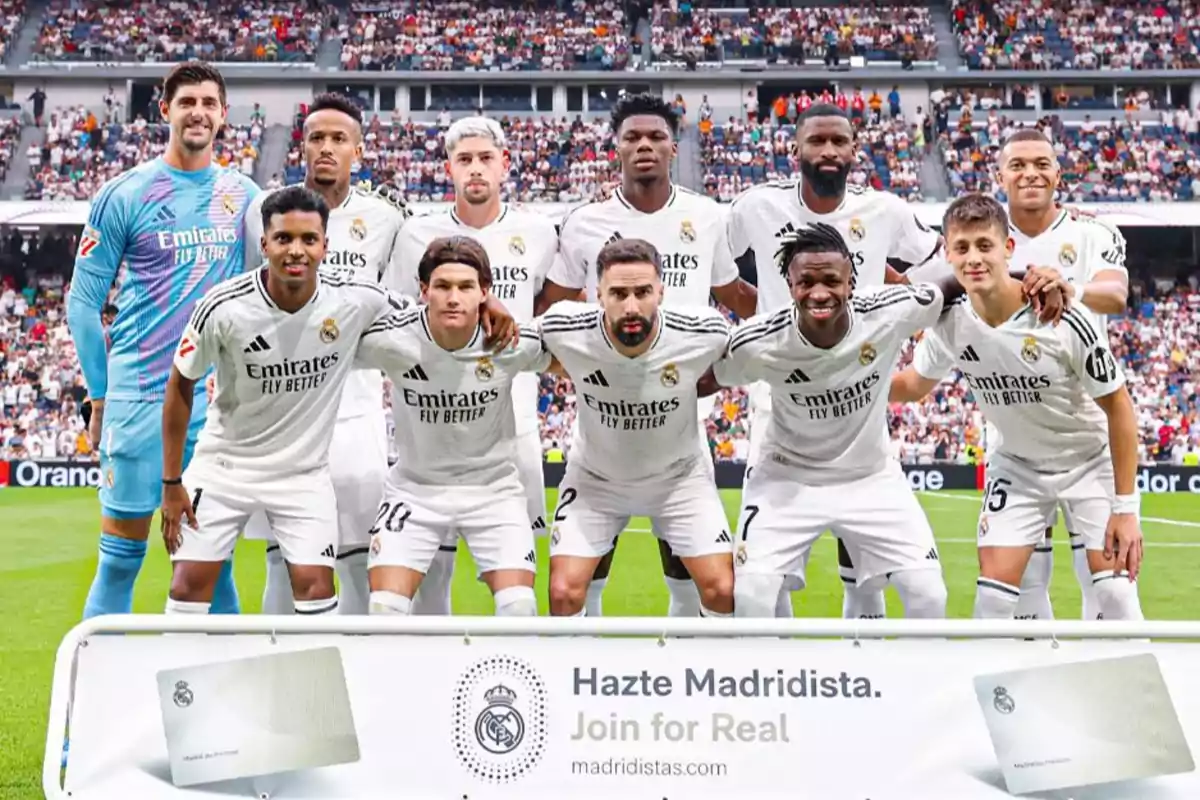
(995,599)
(860,603)
(316,608)
(277,595)
(594,604)
(433,598)
(705,612)
(1091,604)
(185,607)
(354,589)
(685,598)
(1035,584)
(783,606)
(922,591)
(390,604)
(516,601)
(1117,596)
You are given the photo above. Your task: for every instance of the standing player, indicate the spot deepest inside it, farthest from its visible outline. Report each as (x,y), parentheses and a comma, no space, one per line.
(521,246)
(1091,256)
(362,236)
(827,357)
(1036,383)
(636,452)
(283,340)
(688,231)
(457,470)
(876,226)
(176,223)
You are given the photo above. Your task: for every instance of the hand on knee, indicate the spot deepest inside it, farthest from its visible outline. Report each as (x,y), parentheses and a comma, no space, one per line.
(922,591)
(756,595)
(516,601)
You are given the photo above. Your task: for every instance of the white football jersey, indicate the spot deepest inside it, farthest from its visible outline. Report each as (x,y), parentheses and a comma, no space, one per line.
(689,233)
(876,226)
(279,375)
(1033,381)
(636,418)
(521,246)
(362,237)
(829,406)
(1078,248)
(453,409)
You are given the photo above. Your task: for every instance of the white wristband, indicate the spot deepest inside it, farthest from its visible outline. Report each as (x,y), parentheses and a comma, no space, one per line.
(1127,504)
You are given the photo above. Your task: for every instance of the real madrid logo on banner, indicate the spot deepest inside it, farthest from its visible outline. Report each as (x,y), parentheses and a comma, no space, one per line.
(183,696)
(484,369)
(1067,255)
(358,229)
(670,376)
(857,231)
(500,715)
(516,246)
(329,331)
(686,232)
(1029,350)
(227,203)
(866,354)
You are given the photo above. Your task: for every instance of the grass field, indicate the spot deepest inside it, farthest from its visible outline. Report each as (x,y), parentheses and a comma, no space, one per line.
(48,555)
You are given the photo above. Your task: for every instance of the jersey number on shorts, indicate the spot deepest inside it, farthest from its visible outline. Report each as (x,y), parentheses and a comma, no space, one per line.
(568,497)
(995,497)
(393,516)
(751,513)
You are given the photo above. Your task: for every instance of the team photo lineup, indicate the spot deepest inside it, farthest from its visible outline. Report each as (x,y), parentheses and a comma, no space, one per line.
(358,385)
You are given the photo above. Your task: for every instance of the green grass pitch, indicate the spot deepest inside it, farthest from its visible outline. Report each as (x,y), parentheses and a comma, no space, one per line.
(48,555)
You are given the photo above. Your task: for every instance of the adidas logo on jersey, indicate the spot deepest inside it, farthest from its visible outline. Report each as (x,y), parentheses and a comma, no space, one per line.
(165,215)
(785,230)
(259,345)
(969,354)
(797,376)
(531,557)
(539,524)
(328,552)
(596,379)
(614,238)
(415,374)
(932,555)
(724,538)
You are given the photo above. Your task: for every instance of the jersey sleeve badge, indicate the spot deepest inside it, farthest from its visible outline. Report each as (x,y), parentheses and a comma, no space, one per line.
(1029,350)
(866,354)
(670,376)
(516,246)
(329,331)
(1067,255)
(358,229)
(89,241)
(484,368)
(687,232)
(186,345)
(858,231)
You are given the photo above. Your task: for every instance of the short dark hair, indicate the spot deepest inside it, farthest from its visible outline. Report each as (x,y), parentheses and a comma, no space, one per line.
(627,251)
(1025,135)
(817,110)
(975,209)
(294,198)
(455,250)
(816,237)
(191,73)
(333,101)
(643,105)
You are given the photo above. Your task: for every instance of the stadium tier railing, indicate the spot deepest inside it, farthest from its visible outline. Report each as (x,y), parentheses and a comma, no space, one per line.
(502,708)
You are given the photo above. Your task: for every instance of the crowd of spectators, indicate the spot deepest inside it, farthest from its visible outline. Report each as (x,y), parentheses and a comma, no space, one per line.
(1114,160)
(1081,34)
(553,160)
(12,17)
(175,30)
(461,35)
(81,151)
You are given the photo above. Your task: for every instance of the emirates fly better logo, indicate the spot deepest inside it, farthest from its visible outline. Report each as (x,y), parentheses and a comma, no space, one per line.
(500,719)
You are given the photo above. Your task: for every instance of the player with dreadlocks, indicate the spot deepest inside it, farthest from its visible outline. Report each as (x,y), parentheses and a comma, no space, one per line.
(827,358)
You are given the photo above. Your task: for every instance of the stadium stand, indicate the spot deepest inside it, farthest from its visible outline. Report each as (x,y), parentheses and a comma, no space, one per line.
(12,17)
(147,30)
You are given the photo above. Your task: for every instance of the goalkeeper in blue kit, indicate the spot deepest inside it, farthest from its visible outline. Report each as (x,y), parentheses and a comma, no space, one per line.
(176,225)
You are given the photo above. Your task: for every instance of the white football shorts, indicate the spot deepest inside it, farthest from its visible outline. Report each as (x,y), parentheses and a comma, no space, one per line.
(300,510)
(683,506)
(877,517)
(1019,501)
(414,521)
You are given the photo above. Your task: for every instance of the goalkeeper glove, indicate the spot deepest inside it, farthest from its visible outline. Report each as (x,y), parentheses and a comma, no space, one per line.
(394,197)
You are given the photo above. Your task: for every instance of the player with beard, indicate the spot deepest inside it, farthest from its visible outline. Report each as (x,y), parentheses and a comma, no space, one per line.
(876,226)
(686,228)
(521,246)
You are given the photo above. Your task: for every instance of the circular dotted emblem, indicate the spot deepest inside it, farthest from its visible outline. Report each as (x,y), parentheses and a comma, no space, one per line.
(499,726)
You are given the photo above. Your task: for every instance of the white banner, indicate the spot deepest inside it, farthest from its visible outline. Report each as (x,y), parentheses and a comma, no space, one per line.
(502,718)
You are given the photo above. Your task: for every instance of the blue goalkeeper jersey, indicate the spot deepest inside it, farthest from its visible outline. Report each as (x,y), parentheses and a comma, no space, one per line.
(176,234)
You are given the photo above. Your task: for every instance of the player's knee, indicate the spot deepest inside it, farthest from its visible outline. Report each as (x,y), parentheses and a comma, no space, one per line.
(567,596)
(922,591)
(312,582)
(756,595)
(1117,596)
(193,581)
(516,601)
(716,590)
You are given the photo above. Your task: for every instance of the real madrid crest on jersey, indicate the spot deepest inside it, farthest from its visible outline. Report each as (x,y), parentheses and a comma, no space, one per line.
(228,203)
(857,231)
(484,369)
(1029,350)
(358,229)
(1067,255)
(687,232)
(516,246)
(866,354)
(670,376)
(329,331)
